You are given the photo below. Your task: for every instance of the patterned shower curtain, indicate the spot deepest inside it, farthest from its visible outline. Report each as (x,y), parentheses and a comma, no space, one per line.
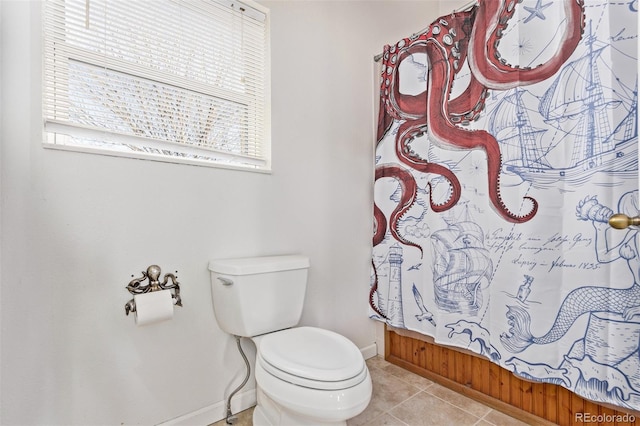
(507,137)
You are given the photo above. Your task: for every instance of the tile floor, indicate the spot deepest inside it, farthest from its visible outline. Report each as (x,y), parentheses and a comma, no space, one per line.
(401,398)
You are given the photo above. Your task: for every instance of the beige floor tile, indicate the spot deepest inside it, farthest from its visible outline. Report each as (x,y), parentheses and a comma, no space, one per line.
(388,391)
(377,362)
(366,417)
(385,420)
(467,404)
(425,409)
(407,376)
(500,419)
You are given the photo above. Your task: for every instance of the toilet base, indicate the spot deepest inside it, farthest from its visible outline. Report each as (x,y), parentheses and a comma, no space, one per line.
(268,413)
(259,417)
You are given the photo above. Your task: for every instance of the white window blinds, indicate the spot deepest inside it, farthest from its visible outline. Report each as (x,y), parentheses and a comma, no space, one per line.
(172,80)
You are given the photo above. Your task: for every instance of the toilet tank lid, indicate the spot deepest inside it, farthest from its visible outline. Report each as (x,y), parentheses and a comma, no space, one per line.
(258,265)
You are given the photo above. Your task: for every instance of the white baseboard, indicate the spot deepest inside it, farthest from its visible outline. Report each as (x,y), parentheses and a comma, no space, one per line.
(215,412)
(369,351)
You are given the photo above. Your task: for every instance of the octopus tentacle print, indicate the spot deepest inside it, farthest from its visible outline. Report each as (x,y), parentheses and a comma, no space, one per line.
(372,292)
(468,105)
(485,60)
(443,131)
(472,36)
(409,190)
(409,158)
(408,193)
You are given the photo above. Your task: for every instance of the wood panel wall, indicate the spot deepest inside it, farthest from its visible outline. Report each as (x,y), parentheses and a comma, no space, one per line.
(481,379)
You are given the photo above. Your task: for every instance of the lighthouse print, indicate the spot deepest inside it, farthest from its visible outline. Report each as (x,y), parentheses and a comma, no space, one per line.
(394,305)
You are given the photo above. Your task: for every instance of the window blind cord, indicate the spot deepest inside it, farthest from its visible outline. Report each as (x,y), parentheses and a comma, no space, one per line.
(87,13)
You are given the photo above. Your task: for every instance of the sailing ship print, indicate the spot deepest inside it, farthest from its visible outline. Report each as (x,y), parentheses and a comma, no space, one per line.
(461,265)
(573,112)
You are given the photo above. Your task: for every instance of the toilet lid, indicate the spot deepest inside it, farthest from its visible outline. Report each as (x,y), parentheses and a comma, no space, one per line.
(312,357)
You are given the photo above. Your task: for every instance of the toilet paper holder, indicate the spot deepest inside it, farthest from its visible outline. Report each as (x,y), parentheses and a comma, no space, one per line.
(153,274)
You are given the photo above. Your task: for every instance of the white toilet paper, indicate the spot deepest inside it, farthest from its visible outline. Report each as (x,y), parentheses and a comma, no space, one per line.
(153,307)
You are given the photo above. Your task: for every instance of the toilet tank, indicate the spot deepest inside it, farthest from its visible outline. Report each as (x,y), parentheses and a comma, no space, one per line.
(258,295)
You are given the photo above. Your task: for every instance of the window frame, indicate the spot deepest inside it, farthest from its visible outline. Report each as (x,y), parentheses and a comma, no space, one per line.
(59,135)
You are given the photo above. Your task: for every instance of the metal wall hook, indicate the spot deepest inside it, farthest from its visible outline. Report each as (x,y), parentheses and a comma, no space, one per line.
(153,274)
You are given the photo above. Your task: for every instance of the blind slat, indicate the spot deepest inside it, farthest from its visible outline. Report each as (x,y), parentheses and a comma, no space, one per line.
(180,74)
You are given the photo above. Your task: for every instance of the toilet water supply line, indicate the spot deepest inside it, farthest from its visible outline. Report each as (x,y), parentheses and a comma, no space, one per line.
(231,419)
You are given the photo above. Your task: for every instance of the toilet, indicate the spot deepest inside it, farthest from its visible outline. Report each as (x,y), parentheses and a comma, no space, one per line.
(304,375)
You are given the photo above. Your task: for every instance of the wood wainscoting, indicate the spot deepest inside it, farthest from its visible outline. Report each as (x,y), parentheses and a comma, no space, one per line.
(478,378)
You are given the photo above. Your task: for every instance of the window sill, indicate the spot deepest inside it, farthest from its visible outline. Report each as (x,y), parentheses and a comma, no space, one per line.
(156,157)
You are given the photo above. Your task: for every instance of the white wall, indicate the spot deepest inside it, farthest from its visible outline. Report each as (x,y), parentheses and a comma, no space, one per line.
(75,227)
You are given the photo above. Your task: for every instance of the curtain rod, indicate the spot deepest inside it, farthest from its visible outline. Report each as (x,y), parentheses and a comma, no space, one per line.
(465,7)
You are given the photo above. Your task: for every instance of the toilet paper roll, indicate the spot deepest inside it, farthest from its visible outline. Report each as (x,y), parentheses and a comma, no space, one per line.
(153,307)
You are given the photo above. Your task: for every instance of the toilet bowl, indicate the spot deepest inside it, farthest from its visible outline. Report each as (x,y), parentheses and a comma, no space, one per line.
(304,375)
(309,376)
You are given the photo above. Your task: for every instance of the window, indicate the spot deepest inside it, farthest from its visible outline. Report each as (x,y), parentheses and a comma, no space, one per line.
(170,80)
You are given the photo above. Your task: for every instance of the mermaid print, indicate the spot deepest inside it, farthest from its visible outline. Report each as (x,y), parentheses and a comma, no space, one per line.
(625,302)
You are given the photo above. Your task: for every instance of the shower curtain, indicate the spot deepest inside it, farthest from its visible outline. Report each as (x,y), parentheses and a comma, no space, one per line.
(507,136)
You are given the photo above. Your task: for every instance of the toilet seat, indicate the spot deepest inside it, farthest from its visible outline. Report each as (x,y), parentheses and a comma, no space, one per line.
(312,384)
(313,358)
(299,405)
